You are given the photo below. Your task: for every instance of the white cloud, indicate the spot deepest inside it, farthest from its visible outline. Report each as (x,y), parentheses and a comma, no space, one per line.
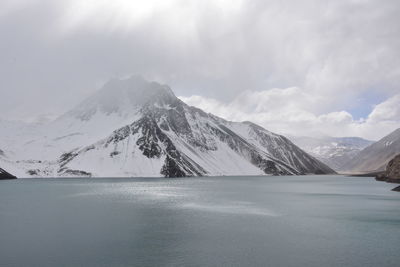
(387,111)
(290,111)
(55,53)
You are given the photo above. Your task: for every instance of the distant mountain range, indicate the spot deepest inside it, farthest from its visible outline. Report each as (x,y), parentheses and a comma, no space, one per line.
(133,127)
(352,154)
(375,157)
(336,152)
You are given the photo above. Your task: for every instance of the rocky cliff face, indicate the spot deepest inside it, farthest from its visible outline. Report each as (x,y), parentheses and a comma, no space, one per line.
(393,169)
(392,172)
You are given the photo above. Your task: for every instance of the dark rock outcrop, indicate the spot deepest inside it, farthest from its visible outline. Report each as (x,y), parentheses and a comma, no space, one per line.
(392,173)
(393,169)
(396,189)
(5,175)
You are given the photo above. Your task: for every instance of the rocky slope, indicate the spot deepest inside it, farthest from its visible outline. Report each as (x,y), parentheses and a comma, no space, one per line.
(333,151)
(5,175)
(392,173)
(375,157)
(133,128)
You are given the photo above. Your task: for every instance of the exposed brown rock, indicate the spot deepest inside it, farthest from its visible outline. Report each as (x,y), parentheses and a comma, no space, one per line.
(393,168)
(392,173)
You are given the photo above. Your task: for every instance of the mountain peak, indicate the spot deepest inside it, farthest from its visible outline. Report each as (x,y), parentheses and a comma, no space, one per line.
(133,127)
(122,96)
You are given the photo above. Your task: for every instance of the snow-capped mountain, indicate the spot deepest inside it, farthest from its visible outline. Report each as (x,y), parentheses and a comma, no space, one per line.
(133,127)
(113,106)
(333,151)
(376,156)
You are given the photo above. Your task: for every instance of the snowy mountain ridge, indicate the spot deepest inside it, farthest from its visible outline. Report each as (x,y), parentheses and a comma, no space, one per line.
(333,151)
(133,128)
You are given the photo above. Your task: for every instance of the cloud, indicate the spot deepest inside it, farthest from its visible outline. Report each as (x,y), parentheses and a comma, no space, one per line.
(386,111)
(329,55)
(289,111)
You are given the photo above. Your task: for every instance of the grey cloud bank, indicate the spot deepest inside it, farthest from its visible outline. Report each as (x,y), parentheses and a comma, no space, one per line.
(326,56)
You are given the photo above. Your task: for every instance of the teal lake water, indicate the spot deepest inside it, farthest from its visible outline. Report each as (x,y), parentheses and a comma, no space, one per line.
(224,221)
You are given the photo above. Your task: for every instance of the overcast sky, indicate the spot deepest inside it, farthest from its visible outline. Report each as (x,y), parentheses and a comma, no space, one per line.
(295,67)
